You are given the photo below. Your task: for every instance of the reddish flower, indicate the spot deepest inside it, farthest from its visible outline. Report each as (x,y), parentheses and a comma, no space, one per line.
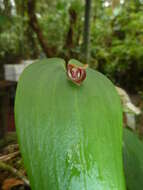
(76,73)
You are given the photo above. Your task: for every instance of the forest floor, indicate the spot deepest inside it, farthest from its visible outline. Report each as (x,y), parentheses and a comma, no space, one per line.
(12,172)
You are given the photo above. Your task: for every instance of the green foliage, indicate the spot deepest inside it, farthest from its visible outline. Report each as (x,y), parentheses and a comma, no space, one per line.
(3,21)
(117,45)
(55,22)
(12,40)
(55,33)
(116,36)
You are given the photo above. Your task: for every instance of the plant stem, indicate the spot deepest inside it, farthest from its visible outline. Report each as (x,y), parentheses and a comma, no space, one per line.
(86,37)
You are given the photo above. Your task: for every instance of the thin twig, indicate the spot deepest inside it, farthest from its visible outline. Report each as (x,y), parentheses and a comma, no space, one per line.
(14,171)
(9,156)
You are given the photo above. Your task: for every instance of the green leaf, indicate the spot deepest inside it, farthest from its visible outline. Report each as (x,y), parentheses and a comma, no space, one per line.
(70,136)
(133,160)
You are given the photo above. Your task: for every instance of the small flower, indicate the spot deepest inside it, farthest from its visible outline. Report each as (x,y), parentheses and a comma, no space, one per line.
(76,74)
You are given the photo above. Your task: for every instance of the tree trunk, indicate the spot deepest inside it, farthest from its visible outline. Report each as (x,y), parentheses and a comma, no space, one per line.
(86,37)
(32,42)
(69,42)
(7,7)
(70,34)
(20,7)
(49,52)
(115,3)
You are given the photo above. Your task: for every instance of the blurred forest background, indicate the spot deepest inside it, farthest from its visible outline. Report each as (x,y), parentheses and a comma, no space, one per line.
(106,34)
(32,29)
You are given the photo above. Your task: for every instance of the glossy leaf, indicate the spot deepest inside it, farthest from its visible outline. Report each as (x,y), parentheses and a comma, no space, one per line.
(133,160)
(70,136)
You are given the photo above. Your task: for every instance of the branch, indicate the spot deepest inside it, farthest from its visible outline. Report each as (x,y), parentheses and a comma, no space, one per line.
(36,28)
(14,171)
(86,36)
(9,156)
